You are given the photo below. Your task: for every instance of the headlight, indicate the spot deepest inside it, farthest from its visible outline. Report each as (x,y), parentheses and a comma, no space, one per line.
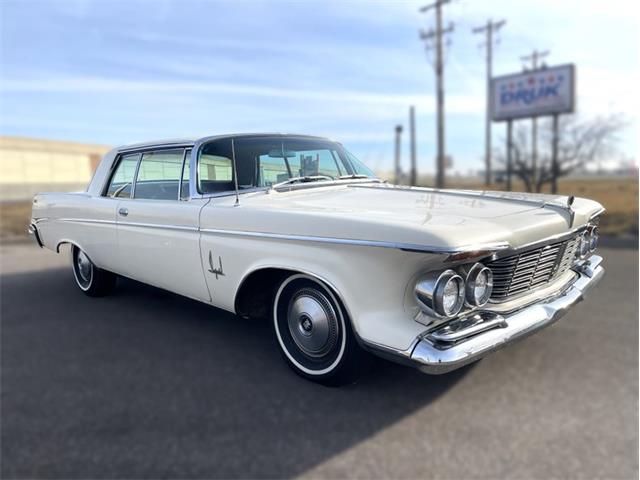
(478,285)
(441,293)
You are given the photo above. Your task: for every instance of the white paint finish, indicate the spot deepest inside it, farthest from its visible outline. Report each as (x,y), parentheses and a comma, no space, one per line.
(90,223)
(164,257)
(166,243)
(410,216)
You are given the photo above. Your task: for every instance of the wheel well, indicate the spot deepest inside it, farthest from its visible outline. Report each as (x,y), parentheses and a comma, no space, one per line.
(256,293)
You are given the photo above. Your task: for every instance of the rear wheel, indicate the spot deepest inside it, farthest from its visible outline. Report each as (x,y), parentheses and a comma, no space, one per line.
(92,280)
(314,333)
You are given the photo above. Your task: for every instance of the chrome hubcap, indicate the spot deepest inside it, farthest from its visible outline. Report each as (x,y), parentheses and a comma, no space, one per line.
(84,266)
(312,323)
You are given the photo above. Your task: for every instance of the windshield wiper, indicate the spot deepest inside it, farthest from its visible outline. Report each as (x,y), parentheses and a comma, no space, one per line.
(353,175)
(310,178)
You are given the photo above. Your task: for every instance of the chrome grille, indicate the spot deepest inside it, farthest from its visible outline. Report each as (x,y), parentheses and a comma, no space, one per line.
(518,273)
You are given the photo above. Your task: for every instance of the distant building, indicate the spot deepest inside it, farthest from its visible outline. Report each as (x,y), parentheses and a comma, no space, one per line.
(29,166)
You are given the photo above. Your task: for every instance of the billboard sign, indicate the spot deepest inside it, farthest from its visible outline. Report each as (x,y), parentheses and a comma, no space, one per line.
(546,91)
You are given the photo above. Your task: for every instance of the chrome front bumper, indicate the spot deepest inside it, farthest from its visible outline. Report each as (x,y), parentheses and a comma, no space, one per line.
(461,342)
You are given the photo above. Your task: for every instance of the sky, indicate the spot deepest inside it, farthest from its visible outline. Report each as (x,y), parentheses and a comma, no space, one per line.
(116,72)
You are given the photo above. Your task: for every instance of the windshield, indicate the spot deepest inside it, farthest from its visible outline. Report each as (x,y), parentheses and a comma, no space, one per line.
(266,161)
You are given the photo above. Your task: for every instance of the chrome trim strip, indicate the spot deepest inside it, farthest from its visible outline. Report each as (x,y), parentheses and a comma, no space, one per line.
(86,220)
(409,247)
(463,328)
(356,242)
(33,231)
(131,224)
(597,213)
(552,239)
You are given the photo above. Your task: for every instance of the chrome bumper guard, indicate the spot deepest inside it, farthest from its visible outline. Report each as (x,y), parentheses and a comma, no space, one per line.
(463,341)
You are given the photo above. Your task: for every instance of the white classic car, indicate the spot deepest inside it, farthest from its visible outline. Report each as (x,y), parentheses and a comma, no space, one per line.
(296,230)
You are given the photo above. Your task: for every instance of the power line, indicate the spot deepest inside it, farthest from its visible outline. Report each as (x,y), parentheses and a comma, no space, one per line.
(435,36)
(533,58)
(489,29)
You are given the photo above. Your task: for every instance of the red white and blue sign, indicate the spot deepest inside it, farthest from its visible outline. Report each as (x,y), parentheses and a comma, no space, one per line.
(547,91)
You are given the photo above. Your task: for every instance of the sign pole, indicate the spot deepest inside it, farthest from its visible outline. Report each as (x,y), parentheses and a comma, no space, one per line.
(397,154)
(509,152)
(554,156)
(412,131)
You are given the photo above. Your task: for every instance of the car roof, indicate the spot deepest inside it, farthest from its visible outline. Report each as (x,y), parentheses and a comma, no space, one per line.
(181,142)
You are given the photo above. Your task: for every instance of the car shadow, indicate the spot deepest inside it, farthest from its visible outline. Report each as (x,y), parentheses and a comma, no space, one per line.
(145,383)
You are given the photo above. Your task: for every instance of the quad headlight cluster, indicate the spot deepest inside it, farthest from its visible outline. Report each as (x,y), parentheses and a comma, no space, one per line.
(587,242)
(445,293)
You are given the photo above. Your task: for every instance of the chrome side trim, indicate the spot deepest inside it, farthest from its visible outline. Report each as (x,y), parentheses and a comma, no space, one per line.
(131,224)
(410,247)
(86,220)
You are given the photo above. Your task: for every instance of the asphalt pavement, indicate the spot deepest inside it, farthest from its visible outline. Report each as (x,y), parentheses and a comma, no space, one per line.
(147,384)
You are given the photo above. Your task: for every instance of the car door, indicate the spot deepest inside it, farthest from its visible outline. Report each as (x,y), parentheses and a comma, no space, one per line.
(157,226)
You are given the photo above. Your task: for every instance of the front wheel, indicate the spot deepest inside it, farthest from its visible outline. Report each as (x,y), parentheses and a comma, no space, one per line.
(92,280)
(314,333)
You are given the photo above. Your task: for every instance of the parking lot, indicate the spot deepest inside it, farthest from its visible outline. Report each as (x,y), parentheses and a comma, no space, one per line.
(145,384)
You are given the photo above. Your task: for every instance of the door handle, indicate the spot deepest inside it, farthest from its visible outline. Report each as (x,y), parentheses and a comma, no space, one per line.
(124,212)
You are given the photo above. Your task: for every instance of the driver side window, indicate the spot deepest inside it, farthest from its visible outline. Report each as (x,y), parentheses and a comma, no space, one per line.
(159,175)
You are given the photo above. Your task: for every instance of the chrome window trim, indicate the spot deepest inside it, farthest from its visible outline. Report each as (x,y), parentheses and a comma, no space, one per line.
(137,150)
(186,153)
(159,146)
(193,178)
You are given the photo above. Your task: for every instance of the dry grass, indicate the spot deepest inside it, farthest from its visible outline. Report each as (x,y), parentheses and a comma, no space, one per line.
(14,219)
(619,196)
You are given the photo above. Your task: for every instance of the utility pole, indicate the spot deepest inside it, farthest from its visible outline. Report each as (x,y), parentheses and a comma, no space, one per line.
(489,29)
(397,159)
(435,36)
(412,133)
(533,58)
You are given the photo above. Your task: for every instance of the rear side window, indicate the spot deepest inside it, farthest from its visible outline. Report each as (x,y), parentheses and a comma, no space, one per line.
(122,180)
(159,175)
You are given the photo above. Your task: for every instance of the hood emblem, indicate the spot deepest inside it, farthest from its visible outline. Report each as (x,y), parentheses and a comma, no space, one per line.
(572,213)
(216,271)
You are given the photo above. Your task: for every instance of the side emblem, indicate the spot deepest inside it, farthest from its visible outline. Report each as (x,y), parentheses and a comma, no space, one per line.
(212,269)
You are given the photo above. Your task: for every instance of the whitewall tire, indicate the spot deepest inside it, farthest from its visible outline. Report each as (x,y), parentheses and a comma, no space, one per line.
(92,280)
(314,332)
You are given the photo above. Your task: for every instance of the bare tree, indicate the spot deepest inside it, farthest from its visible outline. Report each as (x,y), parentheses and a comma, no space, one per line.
(579,144)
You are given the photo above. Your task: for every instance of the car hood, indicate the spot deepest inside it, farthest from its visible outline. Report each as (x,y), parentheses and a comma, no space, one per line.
(429,217)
